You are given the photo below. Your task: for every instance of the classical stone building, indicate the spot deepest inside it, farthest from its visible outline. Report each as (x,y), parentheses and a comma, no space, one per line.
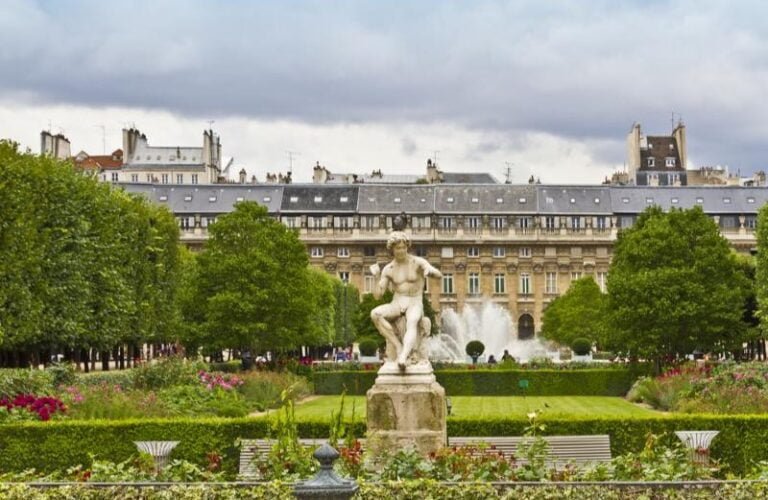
(519,246)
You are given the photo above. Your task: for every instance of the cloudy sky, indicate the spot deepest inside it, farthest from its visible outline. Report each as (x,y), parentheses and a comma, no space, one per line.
(548,88)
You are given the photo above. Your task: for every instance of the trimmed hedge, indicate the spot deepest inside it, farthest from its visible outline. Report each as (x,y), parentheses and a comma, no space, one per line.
(396,490)
(58,445)
(495,382)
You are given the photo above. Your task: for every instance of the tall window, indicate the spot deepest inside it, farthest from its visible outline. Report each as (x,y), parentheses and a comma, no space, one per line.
(369,251)
(115,177)
(316,251)
(446,252)
(472,224)
(524,224)
(368,284)
(499,283)
(164,178)
(525,251)
(550,223)
(575,275)
(499,251)
(525,284)
(473,252)
(448,283)
(600,223)
(498,223)
(550,284)
(421,251)
(602,281)
(179,178)
(344,276)
(576,223)
(342,252)
(473,284)
(446,223)
(134,177)
(194,178)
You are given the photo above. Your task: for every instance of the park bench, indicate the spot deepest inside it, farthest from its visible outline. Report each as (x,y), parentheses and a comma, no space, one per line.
(579,450)
(250,448)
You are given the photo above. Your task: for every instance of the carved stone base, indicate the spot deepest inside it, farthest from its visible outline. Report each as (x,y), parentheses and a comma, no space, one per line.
(408,414)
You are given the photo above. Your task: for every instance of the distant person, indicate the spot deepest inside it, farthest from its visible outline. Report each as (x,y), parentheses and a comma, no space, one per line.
(506,356)
(491,360)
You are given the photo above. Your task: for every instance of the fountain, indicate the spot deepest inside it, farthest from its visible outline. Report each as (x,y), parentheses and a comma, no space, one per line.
(489,323)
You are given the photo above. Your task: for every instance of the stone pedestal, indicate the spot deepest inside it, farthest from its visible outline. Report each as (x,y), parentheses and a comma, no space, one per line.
(406,410)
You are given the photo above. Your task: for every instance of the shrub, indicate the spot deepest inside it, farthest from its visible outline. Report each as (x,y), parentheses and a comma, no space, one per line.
(500,381)
(63,373)
(119,378)
(168,372)
(474,349)
(262,390)
(25,381)
(581,346)
(368,347)
(665,391)
(112,402)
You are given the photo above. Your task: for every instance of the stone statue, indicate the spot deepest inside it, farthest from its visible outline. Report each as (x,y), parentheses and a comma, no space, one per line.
(402,322)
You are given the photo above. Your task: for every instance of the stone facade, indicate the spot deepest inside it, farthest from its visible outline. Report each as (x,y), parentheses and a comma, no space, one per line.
(519,246)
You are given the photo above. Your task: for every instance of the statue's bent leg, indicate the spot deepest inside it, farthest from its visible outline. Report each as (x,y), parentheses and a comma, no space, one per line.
(410,338)
(379,316)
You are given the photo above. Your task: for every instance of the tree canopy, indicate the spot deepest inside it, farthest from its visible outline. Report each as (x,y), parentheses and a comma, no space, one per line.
(254,288)
(674,286)
(82,265)
(579,312)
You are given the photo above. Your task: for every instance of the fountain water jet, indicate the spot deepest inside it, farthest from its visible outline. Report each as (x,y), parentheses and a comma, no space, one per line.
(489,323)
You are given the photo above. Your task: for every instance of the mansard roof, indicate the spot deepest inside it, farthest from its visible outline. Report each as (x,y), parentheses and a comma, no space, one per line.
(713,200)
(487,198)
(393,199)
(574,199)
(211,198)
(305,198)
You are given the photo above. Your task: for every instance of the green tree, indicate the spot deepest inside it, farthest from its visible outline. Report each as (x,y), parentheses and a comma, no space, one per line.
(364,326)
(253,284)
(579,312)
(347,301)
(674,286)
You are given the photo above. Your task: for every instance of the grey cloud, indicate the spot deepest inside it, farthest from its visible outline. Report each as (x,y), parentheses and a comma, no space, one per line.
(584,71)
(408,145)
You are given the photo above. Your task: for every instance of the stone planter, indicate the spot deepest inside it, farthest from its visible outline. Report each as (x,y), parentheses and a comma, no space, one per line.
(160,451)
(697,443)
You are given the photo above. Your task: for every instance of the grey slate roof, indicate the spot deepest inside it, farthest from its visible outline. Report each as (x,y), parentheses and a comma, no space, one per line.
(209,199)
(305,198)
(383,199)
(713,200)
(467,199)
(574,199)
(493,198)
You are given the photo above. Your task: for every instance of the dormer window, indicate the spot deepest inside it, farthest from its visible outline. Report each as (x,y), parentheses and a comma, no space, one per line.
(475,200)
(499,200)
(267,199)
(750,200)
(318,199)
(294,199)
(675,201)
(212,199)
(163,198)
(188,197)
(670,162)
(625,200)
(450,199)
(727,200)
(597,201)
(649,201)
(700,200)
(397,200)
(344,199)
(423,200)
(522,201)
(573,200)
(239,198)
(671,147)
(651,162)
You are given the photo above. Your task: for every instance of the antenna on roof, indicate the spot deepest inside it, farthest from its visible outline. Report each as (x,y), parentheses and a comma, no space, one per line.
(49,126)
(290,160)
(673,120)
(210,124)
(435,158)
(508,172)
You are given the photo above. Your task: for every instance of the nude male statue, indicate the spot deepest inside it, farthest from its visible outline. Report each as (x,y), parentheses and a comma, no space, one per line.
(405,275)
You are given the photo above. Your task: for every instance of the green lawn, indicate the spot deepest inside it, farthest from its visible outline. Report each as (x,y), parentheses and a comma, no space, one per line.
(490,406)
